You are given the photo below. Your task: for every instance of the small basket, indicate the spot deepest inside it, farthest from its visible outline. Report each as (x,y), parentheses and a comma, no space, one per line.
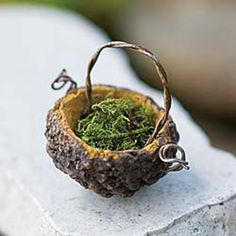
(111,172)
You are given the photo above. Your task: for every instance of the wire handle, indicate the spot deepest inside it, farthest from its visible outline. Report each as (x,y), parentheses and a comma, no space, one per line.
(159,68)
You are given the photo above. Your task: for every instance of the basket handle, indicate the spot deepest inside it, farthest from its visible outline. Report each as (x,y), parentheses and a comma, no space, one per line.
(160,71)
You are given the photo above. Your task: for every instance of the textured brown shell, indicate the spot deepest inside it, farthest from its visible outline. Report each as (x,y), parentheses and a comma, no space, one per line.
(105,172)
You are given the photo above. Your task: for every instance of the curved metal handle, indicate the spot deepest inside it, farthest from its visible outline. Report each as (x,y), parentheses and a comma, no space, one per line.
(176,163)
(159,68)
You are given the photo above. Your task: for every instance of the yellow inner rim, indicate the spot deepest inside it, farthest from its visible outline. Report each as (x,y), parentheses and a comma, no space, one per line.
(73,104)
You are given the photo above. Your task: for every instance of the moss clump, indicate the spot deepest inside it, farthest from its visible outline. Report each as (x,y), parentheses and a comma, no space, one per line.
(117,124)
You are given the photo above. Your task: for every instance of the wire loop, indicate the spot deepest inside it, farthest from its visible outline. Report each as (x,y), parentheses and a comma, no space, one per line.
(167,154)
(62,80)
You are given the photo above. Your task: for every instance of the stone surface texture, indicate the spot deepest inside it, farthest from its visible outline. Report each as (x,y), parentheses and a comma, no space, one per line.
(36,198)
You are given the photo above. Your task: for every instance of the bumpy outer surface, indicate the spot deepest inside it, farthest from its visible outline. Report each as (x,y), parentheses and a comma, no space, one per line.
(105,174)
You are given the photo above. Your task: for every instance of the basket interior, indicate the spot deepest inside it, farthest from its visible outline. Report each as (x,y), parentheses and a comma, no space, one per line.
(74,103)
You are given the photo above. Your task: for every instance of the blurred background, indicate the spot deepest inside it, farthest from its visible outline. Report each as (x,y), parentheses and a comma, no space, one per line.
(196,42)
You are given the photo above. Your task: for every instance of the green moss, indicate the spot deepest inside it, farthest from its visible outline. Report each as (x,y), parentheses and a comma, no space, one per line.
(117,124)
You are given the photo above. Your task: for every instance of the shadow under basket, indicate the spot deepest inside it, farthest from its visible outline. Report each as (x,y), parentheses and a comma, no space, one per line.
(103,171)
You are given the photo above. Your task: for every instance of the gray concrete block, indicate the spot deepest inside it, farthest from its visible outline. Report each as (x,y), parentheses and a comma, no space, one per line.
(36,198)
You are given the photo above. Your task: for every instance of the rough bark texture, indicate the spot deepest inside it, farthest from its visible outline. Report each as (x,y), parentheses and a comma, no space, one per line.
(106,175)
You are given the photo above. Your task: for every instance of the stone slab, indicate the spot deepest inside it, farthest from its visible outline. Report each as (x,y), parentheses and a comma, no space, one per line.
(36,198)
